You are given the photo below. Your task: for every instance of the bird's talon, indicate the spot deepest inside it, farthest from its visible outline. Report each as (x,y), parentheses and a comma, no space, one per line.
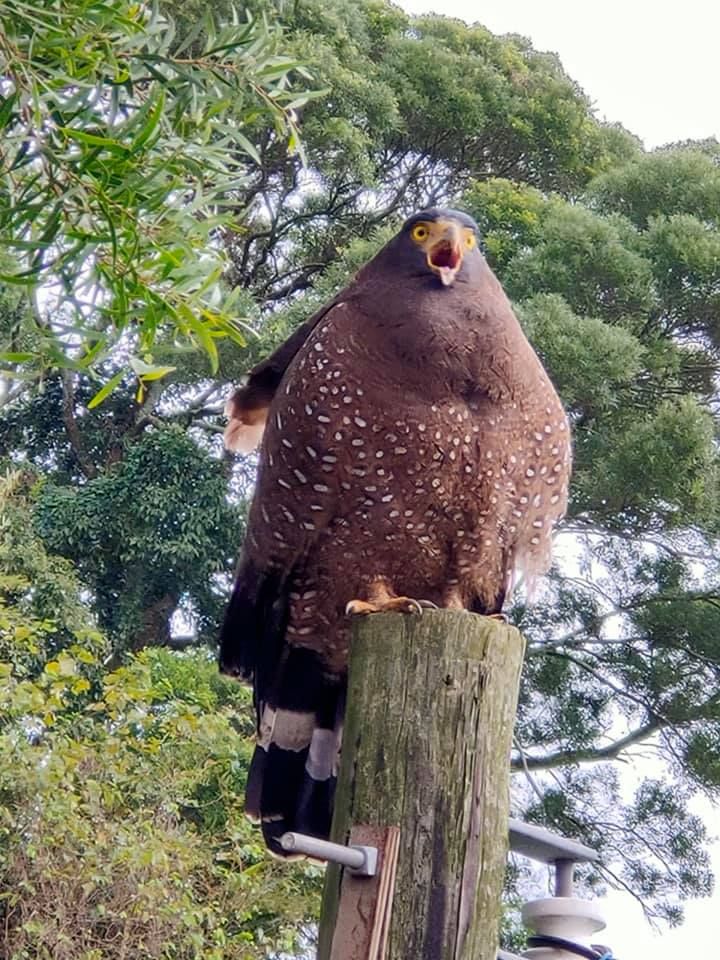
(356,608)
(408,605)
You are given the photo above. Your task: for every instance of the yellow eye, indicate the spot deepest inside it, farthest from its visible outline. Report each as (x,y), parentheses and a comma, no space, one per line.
(420,232)
(469,240)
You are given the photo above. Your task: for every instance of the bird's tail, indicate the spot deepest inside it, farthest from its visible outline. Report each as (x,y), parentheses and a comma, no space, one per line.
(299,710)
(292,777)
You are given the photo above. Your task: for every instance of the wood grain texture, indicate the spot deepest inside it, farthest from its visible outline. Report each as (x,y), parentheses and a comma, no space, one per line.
(362,924)
(426,747)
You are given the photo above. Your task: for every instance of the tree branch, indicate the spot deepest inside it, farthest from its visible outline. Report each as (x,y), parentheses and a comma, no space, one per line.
(587,755)
(71,427)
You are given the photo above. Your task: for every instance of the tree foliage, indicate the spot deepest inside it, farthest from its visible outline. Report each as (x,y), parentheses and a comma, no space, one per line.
(620,649)
(117,169)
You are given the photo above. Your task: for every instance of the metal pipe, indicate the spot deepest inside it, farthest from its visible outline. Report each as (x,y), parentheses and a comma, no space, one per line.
(360,859)
(564,878)
(539,844)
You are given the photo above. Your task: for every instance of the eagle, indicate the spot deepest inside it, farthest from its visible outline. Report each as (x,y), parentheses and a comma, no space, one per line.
(413,452)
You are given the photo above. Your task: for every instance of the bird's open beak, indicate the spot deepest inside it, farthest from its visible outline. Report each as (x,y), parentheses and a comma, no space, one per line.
(445,250)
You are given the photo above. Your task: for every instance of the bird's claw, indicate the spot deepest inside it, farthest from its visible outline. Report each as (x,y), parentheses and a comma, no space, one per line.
(399,604)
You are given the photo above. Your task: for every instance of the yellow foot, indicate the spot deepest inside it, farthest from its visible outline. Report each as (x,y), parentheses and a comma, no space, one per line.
(402,604)
(499,616)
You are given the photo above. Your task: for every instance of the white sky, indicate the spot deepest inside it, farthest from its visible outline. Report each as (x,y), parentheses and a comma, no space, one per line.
(652,66)
(655,68)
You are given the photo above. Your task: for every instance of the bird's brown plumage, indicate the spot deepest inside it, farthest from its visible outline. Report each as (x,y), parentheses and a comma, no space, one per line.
(414,446)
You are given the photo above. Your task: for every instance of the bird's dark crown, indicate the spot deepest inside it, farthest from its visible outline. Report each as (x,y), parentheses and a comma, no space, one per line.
(440,213)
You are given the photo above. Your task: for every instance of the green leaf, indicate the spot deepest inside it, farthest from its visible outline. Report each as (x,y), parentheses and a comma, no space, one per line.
(16,357)
(149,371)
(94,140)
(106,390)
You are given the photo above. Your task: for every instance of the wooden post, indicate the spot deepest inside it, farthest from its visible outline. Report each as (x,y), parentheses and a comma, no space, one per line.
(426,748)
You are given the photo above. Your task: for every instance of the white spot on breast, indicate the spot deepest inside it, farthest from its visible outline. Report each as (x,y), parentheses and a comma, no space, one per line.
(421,427)
(400,451)
(357,442)
(286,443)
(321,488)
(529,472)
(278,421)
(284,483)
(318,346)
(323,419)
(535,541)
(300,475)
(360,422)
(308,409)
(387,498)
(312,452)
(537,500)
(537,524)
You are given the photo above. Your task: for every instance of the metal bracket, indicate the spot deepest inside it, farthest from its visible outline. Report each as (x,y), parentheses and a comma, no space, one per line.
(360,860)
(561,852)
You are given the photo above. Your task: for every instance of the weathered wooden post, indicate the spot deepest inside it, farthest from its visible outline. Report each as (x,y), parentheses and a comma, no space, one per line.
(426,749)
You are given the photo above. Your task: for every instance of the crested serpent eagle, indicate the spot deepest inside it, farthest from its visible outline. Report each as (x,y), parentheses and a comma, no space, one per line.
(413,450)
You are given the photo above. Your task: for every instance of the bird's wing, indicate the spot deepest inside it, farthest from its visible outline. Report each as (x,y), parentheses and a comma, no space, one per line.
(298,701)
(247,408)
(295,499)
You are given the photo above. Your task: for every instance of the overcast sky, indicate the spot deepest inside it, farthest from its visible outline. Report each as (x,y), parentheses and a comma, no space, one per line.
(654,67)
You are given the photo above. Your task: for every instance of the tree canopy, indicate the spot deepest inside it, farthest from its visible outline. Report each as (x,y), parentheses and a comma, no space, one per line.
(121,515)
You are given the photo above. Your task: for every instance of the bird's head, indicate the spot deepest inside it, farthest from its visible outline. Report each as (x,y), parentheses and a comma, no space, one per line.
(439,240)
